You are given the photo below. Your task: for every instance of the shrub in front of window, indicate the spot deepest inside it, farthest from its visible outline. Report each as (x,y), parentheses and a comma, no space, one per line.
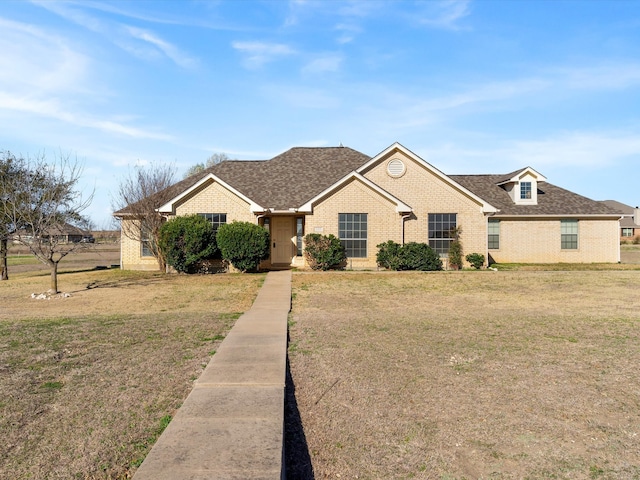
(411,256)
(187,241)
(476,260)
(243,244)
(455,249)
(323,252)
(389,255)
(419,256)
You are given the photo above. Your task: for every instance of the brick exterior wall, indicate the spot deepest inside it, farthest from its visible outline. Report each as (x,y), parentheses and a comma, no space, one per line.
(383,222)
(131,252)
(211,198)
(425,193)
(538,241)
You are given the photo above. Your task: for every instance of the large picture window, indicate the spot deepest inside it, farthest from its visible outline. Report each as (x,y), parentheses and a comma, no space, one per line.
(494,234)
(442,231)
(216,219)
(352,228)
(569,234)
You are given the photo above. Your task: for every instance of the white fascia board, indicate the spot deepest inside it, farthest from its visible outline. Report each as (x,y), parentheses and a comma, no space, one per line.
(601,216)
(169,206)
(486,207)
(401,207)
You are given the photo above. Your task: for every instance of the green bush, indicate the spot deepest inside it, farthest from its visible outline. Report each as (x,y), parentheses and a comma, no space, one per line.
(476,260)
(411,256)
(419,256)
(243,244)
(323,252)
(186,241)
(455,255)
(388,255)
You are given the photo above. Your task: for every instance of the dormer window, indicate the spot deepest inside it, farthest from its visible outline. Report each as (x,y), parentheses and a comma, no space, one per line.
(522,186)
(525,190)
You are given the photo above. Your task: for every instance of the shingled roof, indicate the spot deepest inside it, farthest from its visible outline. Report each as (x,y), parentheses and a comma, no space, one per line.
(552,200)
(286,181)
(298,175)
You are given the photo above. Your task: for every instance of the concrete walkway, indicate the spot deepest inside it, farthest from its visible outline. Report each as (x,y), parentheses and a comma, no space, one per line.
(231,424)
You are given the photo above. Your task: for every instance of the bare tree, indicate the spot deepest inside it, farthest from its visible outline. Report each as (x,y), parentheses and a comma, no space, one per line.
(136,202)
(45,208)
(214,159)
(12,168)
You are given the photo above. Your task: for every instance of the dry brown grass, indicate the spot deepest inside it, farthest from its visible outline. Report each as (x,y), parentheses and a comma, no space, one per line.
(89,381)
(472,375)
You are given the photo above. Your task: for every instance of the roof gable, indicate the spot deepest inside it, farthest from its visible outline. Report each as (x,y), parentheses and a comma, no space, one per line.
(401,207)
(447,179)
(285,182)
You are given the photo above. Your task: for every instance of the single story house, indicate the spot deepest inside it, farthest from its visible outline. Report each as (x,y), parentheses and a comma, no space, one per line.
(395,195)
(630,221)
(61,233)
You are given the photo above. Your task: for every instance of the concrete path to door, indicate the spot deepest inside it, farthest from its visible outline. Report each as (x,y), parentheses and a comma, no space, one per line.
(231,426)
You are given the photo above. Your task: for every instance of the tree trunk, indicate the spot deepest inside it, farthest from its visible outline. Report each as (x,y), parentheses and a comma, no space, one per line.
(54,277)
(4,269)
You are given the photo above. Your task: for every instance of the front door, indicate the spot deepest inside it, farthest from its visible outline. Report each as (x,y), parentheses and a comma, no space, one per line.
(282,240)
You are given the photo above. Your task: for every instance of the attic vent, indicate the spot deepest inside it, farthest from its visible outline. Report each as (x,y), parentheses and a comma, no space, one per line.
(395,168)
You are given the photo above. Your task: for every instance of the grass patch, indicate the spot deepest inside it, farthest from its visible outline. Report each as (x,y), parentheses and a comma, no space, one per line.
(513,374)
(90,381)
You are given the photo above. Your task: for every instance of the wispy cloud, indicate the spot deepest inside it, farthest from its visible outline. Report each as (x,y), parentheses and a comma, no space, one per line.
(139,42)
(444,14)
(323,64)
(52,108)
(258,54)
(347,32)
(168,49)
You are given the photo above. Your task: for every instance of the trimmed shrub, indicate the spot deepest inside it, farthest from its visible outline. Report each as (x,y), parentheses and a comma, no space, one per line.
(476,260)
(187,241)
(389,255)
(323,252)
(419,256)
(411,256)
(243,244)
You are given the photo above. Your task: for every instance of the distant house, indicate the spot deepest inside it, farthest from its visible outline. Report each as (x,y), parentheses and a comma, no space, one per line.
(62,233)
(630,221)
(395,195)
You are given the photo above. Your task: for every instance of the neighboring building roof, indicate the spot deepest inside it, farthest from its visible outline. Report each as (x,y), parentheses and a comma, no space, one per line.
(618,207)
(628,213)
(552,200)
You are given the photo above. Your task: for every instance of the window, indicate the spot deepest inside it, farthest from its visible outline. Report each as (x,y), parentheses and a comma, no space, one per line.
(627,232)
(569,234)
(494,234)
(146,242)
(299,235)
(216,219)
(352,228)
(441,231)
(525,190)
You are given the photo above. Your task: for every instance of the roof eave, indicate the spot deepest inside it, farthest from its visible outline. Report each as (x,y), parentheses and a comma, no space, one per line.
(169,207)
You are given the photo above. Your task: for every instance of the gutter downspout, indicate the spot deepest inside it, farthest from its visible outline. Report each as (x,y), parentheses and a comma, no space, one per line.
(402,221)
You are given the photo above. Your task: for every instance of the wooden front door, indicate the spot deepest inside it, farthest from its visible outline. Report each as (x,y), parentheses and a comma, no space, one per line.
(282,240)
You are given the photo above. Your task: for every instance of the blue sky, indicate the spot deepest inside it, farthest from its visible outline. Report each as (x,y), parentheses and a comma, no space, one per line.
(472,86)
